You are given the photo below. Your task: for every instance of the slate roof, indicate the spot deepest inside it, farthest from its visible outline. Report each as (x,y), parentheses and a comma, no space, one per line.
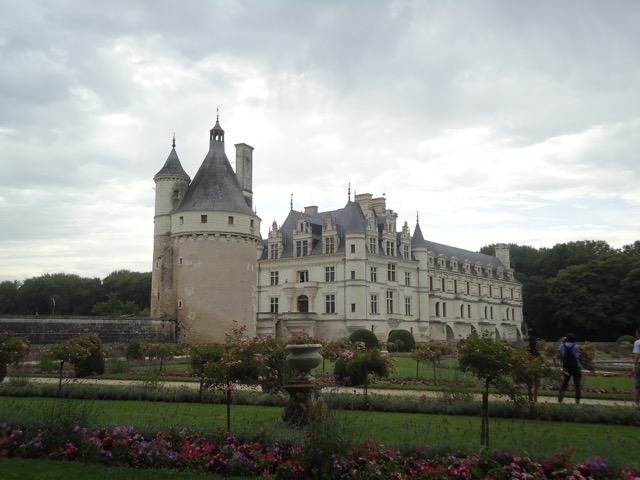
(351,219)
(215,187)
(173,167)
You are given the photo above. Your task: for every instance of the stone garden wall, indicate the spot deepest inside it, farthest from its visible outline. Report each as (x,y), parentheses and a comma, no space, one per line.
(48,330)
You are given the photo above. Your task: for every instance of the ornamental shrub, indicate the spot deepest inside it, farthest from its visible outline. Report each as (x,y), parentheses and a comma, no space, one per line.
(626,338)
(404,336)
(134,351)
(366,336)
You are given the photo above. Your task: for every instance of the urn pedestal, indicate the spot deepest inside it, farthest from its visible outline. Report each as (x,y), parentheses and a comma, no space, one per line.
(305,403)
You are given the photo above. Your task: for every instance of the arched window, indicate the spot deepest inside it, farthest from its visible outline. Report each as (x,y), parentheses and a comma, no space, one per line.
(303,304)
(437,309)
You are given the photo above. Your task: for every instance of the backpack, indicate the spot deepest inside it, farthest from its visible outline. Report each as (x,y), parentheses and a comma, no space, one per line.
(569,360)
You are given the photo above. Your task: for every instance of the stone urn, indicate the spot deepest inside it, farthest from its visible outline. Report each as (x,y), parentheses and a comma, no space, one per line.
(304,358)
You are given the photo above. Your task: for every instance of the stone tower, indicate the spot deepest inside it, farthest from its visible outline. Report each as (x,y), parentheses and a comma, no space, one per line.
(207,239)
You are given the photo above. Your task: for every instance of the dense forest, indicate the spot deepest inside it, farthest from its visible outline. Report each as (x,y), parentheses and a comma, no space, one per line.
(586,287)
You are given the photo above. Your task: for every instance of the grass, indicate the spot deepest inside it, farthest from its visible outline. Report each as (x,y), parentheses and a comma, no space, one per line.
(617,444)
(20,469)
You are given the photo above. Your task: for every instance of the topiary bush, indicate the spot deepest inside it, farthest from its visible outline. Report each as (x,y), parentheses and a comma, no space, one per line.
(366,336)
(402,339)
(134,351)
(626,338)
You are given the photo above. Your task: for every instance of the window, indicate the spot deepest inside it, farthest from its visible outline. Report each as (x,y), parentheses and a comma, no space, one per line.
(251,223)
(230,220)
(180,261)
(176,194)
(389,301)
(330,303)
(468,288)
(303,276)
(407,305)
(437,309)
(391,272)
(181,220)
(444,285)
(455,286)
(373,245)
(461,311)
(468,311)
(353,248)
(430,283)
(407,279)
(329,245)
(179,304)
(490,292)
(391,247)
(329,274)
(444,309)
(374,303)
(274,278)
(274,250)
(406,252)
(374,274)
(203,219)
(273,306)
(302,248)
(353,307)
(491,312)
(353,274)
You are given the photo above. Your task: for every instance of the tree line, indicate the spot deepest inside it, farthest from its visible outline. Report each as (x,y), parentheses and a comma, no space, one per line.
(122,292)
(585,287)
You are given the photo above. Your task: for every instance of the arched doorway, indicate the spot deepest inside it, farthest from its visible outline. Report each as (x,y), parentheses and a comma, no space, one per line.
(303,304)
(497,334)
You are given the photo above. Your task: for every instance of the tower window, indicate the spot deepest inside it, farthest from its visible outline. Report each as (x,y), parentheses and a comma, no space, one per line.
(176,194)
(353,248)
(374,303)
(303,276)
(329,274)
(275,278)
(230,220)
(181,220)
(179,304)
(353,307)
(391,272)
(203,219)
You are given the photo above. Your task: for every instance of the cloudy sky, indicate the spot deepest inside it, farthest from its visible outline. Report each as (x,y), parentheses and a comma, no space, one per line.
(495,121)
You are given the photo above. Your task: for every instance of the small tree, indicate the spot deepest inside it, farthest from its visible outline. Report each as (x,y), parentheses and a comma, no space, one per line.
(529,369)
(161,352)
(431,351)
(243,360)
(84,352)
(356,365)
(333,350)
(12,350)
(491,361)
(200,356)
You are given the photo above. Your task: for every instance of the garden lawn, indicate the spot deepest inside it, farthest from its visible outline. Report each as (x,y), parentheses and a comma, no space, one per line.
(618,444)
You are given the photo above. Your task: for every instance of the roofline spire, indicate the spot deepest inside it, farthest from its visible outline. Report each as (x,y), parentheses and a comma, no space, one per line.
(291,203)
(417,216)
(349,191)
(173,144)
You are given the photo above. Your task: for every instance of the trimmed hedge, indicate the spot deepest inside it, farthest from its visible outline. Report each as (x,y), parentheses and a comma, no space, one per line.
(405,336)
(363,335)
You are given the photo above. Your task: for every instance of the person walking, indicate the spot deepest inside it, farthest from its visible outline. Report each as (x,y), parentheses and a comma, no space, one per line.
(636,366)
(571,366)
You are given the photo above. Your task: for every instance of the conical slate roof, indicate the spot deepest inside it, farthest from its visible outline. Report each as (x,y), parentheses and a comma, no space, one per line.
(215,187)
(173,167)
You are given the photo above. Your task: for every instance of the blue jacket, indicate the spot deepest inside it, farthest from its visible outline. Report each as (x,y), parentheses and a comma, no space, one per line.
(574,348)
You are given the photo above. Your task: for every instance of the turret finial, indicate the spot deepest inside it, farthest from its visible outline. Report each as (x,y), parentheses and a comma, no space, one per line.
(291,202)
(417,216)
(349,191)
(173,144)
(217,113)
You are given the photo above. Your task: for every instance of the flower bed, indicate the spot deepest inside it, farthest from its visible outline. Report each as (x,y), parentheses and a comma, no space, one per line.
(228,455)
